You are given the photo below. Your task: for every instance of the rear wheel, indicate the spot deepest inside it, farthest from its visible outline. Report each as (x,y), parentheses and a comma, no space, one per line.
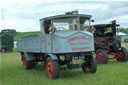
(52,68)
(101,56)
(123,55)
(28,64)
(90,66)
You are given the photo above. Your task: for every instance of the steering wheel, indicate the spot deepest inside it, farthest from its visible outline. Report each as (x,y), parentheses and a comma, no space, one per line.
(61,28)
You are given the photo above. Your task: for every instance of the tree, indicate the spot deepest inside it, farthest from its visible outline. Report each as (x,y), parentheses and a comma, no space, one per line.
(124,30)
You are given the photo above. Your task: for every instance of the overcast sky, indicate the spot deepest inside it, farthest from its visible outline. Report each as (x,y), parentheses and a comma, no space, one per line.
(24,15)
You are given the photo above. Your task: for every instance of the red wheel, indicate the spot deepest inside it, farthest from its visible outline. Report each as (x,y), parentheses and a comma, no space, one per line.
(26,64)
(123,55)
(50,69)
(24,61)
(101,56)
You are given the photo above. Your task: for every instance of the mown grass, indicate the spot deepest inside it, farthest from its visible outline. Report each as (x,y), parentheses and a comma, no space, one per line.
(12,73)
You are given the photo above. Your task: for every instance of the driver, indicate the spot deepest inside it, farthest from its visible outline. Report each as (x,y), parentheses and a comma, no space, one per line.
(47,28)
(51,30)
(108,30)
(93,29)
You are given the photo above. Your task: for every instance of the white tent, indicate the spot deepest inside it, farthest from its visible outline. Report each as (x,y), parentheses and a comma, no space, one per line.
(120,33)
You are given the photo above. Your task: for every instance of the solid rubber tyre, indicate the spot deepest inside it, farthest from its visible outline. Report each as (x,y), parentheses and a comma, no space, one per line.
(26,64)
(123,55)
(52,68)
(101,56)
(90,66)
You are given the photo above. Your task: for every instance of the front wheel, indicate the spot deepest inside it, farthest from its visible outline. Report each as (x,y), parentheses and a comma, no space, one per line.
(123,55)
(52,68)
(90,66)
(101,56)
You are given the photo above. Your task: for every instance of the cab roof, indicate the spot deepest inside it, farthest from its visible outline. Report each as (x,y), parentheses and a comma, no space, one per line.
(67,16)
(103,25)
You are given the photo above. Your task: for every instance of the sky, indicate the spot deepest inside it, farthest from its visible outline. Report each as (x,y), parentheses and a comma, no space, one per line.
(24,15)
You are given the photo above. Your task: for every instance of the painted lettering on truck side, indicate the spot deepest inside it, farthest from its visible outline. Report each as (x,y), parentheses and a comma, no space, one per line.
(80,48)
(79,37)
(79,43)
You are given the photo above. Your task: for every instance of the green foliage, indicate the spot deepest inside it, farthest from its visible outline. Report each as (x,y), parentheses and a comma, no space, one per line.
(124,30)
(19,35)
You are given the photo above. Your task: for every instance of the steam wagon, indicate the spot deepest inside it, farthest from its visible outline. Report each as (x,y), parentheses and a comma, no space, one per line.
(6,43)
(108,43)
(64,43)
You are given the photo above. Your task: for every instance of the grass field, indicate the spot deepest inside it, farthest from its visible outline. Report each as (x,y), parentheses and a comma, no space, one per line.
(12,73)
(19,35)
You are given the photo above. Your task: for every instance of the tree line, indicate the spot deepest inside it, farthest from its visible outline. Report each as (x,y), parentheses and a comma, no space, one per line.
(124,30)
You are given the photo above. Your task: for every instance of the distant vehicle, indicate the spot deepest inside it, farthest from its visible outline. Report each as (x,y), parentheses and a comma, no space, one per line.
(63,43)
(107,43)
(126,40)
(8,32)
(6,43)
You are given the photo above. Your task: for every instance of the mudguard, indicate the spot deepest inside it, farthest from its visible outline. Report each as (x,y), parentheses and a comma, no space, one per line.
(54,57)
(29,56)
